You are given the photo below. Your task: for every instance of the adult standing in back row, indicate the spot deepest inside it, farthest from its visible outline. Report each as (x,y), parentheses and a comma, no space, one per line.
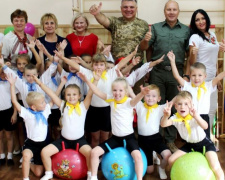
(164,37)
(126,31)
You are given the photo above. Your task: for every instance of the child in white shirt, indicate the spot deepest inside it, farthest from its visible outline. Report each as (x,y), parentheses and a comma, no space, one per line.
(191,127)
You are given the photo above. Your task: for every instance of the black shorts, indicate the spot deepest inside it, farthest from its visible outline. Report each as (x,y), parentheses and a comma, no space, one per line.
(206,118)
(53,119)
(36,148)
(19,119)
(209,146)
(69,144)
(115,141)
(6,116)
(151,143)
(98,118)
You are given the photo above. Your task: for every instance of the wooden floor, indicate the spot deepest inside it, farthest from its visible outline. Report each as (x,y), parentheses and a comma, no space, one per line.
(14,173)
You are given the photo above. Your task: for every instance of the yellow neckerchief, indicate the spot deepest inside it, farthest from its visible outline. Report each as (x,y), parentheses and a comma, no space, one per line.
(117,102)
(199,89)
(149,109)
(103,76)
(72,107)
(185,120)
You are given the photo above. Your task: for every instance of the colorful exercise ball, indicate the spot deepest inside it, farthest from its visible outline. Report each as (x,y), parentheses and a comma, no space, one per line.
(29,29)
(119,164)
(8,29)
(69,164)
(192,166)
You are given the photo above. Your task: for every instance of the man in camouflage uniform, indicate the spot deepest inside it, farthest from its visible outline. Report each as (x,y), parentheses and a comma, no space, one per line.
(126,31)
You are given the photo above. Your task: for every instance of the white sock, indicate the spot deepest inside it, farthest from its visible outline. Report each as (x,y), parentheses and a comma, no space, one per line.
(26,178)
(94,178)
(48,175)
(2,156)
(162,173)
(89,175)
(9,156)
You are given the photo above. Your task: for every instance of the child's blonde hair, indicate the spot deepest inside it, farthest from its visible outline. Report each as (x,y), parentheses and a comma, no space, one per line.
(99,58)
(23,56)
(154,87)
(32,97)
(183,95)
(121,80)
(198,65)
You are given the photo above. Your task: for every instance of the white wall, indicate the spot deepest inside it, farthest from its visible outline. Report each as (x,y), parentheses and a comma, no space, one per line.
(149,10)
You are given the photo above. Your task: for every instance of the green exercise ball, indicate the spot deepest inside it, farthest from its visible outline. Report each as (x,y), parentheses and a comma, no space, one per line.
(8,29)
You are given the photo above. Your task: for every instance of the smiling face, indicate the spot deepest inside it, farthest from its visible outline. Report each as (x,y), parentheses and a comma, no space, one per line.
(119,90)
(171,12)
(200,22)
(183,105)
(49,26)
(197,76)
(129,10)
(29,73)
(80,25)
(72,95)
(19,24)
(152,97)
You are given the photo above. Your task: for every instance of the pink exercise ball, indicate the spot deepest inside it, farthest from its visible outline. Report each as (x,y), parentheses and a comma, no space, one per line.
(29,29)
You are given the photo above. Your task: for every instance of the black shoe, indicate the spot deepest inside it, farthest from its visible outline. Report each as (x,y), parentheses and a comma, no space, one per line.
(2,162)
(10,162)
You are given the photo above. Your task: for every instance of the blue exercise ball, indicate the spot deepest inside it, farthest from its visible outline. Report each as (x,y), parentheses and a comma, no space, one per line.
(119,164)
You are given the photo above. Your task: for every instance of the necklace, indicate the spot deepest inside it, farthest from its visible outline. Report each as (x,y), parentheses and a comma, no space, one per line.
(80,42)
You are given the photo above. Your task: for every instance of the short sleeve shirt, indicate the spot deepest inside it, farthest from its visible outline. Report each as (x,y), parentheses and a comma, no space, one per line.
(126,35)
(164,39)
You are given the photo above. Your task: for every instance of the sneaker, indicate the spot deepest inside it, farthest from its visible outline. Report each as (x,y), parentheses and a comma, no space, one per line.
(173,148)
(156,160)
(10,162)
(2,162)
(162,173)
(16,152)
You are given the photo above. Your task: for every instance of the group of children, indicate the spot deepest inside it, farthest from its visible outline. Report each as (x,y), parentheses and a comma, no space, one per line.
(100,100)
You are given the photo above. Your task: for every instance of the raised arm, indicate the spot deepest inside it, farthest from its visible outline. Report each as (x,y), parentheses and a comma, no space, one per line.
(80,61)
(12,81)
(176,74)
(93,87)
(165,121)
(95,10)
(68,61)
(193,52)
(128,68)
(123,62)
(136,99)
(218,78)
(144,43)
(49,92)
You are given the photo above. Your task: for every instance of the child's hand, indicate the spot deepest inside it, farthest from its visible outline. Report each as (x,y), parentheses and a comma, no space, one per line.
(11,79)
(118,72)
(32,43)
(171,56)
(82,76)
(64,80)
(148,35)
(167,109)
(36,80)
(97,75)
(62,45)
(107,50)
(95,10)
(77,59)
(135,50)
(136,60)
(144,90)
(59,54)
(40,46)
(194,49)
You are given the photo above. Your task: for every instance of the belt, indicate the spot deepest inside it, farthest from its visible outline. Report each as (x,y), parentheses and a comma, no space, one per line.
(167,68)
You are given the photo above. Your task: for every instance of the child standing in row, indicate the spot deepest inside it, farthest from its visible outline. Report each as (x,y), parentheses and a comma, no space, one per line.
(35,118)
(149,115)
(190,126)
(122,123)
(73,117)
